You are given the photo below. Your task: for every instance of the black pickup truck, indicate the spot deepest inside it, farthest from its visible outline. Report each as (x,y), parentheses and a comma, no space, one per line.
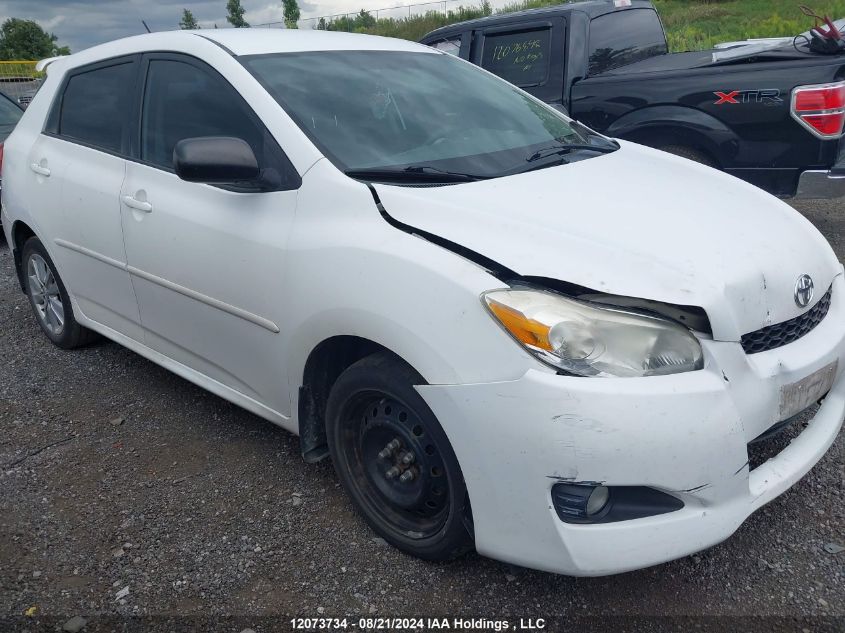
(770,112)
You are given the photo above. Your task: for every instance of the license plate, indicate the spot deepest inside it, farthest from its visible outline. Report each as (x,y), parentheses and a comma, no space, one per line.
(799,395)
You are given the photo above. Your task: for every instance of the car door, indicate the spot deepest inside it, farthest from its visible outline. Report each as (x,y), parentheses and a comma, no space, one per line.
(208,262)
(529,55)
(77,168)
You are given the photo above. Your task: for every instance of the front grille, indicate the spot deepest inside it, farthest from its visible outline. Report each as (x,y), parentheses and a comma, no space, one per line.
(775,336)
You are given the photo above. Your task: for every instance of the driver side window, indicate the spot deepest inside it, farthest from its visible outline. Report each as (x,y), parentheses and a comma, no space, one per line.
(183,100)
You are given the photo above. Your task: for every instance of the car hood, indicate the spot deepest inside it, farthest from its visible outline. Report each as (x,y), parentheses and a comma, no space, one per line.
(637,223)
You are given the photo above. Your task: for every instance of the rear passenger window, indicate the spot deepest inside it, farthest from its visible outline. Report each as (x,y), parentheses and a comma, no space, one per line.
(94,106)
(624,37)
(10,114)
(183,100)
(521,58)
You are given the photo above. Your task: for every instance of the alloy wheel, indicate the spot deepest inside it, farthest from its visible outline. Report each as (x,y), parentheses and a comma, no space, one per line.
(45,295)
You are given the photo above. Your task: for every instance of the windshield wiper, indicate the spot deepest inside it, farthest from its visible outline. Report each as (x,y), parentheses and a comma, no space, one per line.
(419,173)
(560,150)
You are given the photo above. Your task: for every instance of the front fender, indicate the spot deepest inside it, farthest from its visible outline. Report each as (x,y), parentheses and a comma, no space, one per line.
(351,273)
(674,124)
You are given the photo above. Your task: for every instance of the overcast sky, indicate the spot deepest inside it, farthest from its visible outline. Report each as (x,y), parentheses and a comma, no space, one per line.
(83,23)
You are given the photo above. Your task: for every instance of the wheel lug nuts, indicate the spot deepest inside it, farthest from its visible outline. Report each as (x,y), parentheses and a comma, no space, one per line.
(408,458)
(389,449)
(407,476)
(392,473)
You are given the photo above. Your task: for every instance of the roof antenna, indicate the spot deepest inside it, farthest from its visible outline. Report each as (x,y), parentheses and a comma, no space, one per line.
(146,27)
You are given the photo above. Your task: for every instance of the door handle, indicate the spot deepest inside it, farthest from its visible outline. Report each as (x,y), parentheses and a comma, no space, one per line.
(132,203)
(38,169)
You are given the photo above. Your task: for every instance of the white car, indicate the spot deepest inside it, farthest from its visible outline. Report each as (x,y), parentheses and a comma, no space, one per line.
(507,331)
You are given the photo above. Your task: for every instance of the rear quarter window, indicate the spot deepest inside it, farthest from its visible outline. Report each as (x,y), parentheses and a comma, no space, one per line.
(9,112)
(521,57)
(624,37)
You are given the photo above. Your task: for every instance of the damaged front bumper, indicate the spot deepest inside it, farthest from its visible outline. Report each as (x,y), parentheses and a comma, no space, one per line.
(686,435)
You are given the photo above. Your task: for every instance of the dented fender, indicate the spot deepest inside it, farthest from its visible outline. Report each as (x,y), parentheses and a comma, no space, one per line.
(692,239)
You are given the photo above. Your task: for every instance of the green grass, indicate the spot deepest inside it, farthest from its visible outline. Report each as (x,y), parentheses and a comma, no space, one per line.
(697,25)
(411,28)
(690,24)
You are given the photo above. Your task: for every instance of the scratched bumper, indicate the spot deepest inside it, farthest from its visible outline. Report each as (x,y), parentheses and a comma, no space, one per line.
(686,435)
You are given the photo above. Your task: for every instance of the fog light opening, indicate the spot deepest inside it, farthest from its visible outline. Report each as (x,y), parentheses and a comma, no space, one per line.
(581,503)
(597,500)
(587,503)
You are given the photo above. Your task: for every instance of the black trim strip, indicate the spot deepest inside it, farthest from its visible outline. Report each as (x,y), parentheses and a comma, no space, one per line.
(208,39)
(494,268)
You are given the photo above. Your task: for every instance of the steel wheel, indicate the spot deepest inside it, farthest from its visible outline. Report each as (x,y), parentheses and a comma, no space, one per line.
(45,295)
(396,462)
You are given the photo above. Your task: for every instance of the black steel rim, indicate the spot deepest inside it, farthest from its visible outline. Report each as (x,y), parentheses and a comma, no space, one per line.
(396,464)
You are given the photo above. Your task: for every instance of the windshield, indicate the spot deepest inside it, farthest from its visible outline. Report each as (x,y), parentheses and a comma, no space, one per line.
(377,110)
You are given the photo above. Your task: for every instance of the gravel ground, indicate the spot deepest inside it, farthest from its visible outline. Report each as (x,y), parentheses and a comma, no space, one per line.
(125,490)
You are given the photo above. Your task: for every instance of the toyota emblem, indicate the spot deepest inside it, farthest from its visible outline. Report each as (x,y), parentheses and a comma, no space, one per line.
(804,291)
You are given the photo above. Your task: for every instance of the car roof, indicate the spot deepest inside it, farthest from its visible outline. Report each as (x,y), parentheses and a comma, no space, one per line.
(256,41)
(592,8)
(246,41)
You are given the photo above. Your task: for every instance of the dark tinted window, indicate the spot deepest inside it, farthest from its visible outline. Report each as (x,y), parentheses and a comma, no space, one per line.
(182,101)
(520,58)
(622,38)
(94,106)
(10,114)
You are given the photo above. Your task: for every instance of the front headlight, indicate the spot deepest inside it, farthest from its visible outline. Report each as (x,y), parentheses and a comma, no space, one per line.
(590,340)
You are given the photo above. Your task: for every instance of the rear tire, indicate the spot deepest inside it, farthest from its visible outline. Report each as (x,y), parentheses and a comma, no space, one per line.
(395,461)
(689,153)
(49,298)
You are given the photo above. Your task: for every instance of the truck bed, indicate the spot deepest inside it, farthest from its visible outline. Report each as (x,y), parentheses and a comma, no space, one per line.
(736,113)
(704,59)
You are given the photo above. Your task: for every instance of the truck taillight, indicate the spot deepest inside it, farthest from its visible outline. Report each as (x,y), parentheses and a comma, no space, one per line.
(820,109)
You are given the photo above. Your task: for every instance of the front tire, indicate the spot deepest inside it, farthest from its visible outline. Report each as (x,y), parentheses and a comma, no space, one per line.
(49,298)
(394,460)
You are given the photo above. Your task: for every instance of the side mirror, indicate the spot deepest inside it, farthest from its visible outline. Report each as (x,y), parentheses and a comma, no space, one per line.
(222,160)
(559,107)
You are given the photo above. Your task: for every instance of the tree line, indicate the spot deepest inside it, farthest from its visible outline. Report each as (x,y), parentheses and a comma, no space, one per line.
(25,39)
(235,15)
(362,22)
